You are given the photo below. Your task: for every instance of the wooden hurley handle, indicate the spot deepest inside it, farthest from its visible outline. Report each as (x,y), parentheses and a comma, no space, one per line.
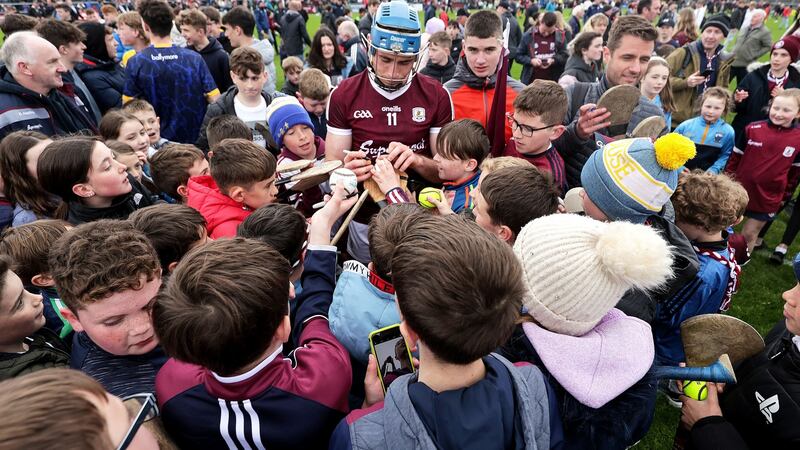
(350,216)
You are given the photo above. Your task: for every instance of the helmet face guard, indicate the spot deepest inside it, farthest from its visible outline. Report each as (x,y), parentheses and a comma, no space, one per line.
(396,30)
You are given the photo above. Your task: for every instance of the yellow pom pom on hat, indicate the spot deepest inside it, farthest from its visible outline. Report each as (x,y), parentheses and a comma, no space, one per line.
(632,179)
(673,150)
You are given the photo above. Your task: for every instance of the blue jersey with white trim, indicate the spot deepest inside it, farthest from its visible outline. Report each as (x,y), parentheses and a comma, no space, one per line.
(177,82)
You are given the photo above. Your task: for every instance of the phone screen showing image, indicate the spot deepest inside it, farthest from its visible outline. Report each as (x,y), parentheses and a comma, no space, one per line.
(391,353)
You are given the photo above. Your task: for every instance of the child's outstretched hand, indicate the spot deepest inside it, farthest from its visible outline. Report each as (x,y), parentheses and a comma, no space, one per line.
(384,174)
(322,221)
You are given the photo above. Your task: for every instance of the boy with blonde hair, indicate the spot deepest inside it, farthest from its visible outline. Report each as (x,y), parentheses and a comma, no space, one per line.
(313,91)
(292,67)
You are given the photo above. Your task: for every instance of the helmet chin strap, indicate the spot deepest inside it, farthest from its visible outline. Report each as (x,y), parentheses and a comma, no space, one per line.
(397,84)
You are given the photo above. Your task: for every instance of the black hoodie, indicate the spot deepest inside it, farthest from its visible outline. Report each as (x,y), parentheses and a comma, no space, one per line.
(51,114)
(293,34)
(442,73)
(139,197)
(217,61)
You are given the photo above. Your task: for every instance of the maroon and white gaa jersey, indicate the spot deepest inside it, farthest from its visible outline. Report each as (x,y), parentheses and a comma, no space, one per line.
(374,118)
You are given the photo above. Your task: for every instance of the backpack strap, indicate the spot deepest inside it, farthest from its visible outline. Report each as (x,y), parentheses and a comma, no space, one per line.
(579,91)
(687,58)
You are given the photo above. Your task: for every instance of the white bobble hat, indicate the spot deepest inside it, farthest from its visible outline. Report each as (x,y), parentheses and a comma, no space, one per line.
(576,269)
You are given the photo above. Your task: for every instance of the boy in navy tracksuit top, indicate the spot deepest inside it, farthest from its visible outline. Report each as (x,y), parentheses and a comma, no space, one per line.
(705,206)
(108,275)
(462,146)
(458,303)
(224,317)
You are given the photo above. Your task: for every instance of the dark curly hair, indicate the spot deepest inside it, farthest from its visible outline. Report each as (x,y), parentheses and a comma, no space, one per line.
(98,259)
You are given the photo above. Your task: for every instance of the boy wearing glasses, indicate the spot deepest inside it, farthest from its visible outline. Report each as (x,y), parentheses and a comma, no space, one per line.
(75,410)
(535,124)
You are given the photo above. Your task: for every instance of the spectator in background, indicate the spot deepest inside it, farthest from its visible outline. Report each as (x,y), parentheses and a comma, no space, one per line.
(214,27)
(754,41)
(586,62)
(352,47)
(239,25)
(708,65)
(440,65)
(68,39)
(649,9)
(575,20)
(131,35)
(17,22)
(194,25)
(326,56)
(685,30)
(65,13)
(29,83)
(365,24)
(542,51)
(176,81)
(666,30)
(457,39)
(758,88)
(598,23)
(515,34)
(99,69)
(293,31)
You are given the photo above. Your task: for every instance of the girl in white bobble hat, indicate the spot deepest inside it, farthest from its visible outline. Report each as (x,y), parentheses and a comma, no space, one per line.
(576,269)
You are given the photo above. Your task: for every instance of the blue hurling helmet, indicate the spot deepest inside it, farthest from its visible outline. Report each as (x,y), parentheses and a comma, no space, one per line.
(397,30)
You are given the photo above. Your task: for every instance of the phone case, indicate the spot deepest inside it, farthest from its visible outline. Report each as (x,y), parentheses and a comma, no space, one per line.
(372,349)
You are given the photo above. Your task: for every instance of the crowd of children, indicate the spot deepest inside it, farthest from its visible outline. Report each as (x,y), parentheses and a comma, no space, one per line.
(157,294)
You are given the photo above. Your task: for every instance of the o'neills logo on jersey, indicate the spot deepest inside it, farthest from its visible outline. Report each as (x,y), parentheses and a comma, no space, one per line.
(754,143)
(362,114)
(373,151)
(160,57)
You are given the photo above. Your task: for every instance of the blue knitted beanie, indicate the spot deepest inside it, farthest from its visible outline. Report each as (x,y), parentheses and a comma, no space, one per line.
(284,113)
(632,179)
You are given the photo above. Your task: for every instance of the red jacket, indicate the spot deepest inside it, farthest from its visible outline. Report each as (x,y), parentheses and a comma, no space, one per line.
(222,214)
(766,161)
(472,96)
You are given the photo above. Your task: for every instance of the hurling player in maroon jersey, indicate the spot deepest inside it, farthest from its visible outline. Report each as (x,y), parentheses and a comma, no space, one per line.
(388,111)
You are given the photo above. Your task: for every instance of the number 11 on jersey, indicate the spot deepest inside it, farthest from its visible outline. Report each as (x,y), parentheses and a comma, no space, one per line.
(392,119)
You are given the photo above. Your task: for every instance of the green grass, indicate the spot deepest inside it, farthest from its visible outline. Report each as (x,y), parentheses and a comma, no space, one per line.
(758,301)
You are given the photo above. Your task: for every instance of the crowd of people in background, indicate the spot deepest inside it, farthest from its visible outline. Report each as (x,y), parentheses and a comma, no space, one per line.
(165,282)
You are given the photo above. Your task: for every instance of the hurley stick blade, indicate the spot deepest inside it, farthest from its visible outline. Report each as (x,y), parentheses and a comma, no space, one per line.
(620,101)
(650,127)
(708,336)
